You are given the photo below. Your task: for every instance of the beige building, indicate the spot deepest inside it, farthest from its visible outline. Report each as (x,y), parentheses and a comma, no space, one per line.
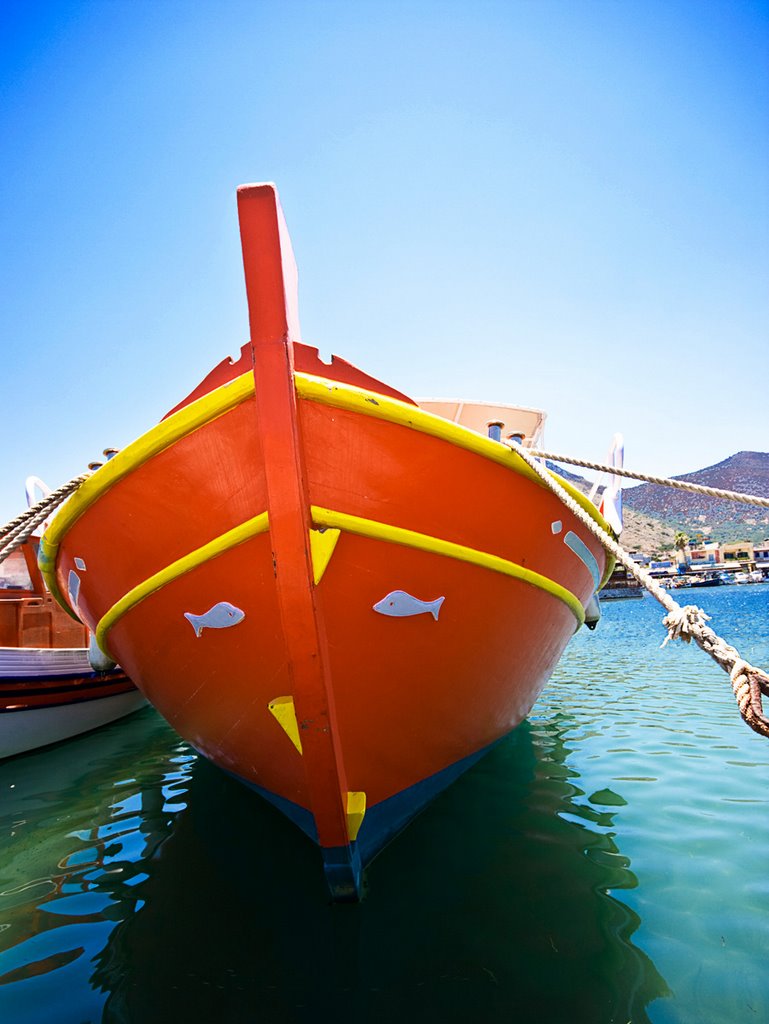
(736,555)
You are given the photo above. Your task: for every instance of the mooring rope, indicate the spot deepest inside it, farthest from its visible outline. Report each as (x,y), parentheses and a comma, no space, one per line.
(684,623)
(14,533)
(682,485)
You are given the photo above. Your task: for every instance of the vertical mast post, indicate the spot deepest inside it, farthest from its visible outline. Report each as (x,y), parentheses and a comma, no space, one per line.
(271,281)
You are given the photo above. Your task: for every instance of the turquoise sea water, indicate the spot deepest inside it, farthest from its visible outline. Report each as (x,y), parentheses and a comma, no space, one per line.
(608,863)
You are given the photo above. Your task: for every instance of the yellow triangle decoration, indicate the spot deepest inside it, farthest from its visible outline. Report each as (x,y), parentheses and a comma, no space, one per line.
(356,809)
(322,544)
(283,710)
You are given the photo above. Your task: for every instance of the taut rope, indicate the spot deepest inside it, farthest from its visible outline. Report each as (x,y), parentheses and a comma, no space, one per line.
(682,485)
(14,533)
(685,623)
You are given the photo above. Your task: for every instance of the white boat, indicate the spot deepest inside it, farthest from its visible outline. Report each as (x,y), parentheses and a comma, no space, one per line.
(755,576)
(49,689)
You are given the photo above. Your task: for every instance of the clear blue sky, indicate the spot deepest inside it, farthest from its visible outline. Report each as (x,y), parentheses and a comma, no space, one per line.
(556,204)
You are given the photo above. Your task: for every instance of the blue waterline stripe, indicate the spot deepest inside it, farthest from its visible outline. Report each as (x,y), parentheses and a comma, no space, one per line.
(384,820)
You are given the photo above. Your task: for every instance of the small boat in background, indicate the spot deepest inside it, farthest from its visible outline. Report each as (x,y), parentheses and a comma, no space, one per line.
(621,585)
(339,595)
(749,576)
(709,579)
(49,689)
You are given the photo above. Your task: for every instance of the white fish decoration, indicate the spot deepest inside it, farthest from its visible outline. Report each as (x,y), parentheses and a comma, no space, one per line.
(73,589)
(400,604)
(221,616)
(585,555)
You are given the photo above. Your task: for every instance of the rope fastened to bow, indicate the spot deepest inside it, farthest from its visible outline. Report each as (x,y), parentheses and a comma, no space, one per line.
(682,623)
(15,532)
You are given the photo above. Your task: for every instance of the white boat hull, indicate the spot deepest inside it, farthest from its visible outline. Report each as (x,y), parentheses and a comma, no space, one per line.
(22,731)
(52,694)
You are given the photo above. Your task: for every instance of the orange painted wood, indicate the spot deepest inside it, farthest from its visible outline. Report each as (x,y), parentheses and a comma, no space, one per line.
(306,360)
(270,288)
(382,703)
(209,482)
(30,617)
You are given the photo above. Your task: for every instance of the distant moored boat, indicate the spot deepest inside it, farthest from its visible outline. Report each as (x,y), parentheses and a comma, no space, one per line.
(49,690)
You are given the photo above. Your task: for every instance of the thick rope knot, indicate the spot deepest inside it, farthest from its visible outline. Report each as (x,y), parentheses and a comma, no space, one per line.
(685,623)
(748,684)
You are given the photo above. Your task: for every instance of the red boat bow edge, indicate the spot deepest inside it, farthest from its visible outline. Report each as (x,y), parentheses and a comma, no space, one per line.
(337,596)
(271,280)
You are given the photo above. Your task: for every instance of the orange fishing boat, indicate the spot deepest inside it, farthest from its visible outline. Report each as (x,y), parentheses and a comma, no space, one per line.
(340,596)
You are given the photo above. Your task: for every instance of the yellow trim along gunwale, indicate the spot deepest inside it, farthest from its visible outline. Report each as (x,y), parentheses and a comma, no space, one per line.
(424,542)
(156,440)
(359,400)
(232,538)
(216,403)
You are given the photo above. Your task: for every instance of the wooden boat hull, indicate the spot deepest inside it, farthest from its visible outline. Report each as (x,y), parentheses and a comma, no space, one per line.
(49,690)
(335,596)
(48,695)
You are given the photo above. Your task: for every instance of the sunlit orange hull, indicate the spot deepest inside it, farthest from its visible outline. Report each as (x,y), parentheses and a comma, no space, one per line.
(334,595)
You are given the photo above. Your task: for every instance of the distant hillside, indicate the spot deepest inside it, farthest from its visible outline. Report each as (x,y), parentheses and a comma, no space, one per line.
(641,532)
(746,472)
(646,534)
(653,514)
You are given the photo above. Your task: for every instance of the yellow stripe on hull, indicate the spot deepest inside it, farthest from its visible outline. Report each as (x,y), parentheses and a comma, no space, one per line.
(354,399)
(182,423)
(238,535)
(423,542)
(329,519)
(343,396)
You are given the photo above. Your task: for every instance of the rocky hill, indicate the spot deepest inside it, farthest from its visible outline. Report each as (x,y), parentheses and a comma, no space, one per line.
(653,514)
(716,519)
(641,532)
(646,534)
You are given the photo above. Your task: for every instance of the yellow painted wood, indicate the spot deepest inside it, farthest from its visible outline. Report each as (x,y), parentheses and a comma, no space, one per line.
(347,396)
(356,810)
(228,396)
(424,542)
(285,715)
(322,544)
(168,432)
(230,539)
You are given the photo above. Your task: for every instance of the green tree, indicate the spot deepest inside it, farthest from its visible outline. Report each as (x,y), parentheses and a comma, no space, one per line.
(681,544)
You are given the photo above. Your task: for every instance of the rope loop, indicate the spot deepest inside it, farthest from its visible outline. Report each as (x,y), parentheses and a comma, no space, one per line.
(748,683)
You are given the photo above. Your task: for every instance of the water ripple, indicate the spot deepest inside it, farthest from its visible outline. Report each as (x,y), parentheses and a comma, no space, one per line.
(606,863)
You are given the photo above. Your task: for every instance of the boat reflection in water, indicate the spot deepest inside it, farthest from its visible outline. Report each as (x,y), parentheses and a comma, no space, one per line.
(472,935)
(169,894)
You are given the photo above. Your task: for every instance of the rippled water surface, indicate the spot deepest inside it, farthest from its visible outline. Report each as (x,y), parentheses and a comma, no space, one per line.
(606,863)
